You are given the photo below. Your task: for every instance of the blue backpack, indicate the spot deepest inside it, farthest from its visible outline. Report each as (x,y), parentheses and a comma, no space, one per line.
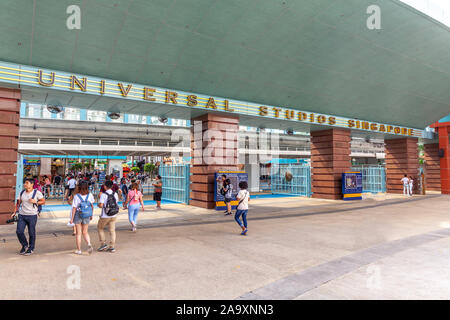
(85,207)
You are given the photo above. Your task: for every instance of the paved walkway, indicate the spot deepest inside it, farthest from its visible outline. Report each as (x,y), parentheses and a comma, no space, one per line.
(382,247)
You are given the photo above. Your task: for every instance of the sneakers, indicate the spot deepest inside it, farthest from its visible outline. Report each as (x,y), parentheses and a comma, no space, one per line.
(103,247)
(111,249)
(243,233)
(77,252)
(23,250)
(90,249)
(228,213)
(134,229)
(28,252)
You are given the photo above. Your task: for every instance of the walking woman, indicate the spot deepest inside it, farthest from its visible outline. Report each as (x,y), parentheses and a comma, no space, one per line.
(242,209)
(134,200)
(82,212)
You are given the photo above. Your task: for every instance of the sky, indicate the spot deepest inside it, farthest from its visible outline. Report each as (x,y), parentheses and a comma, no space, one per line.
(437,9)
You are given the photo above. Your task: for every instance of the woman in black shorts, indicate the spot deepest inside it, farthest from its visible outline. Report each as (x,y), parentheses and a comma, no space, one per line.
(158,191)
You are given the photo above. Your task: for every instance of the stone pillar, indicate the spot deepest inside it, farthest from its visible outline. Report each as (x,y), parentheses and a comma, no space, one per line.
(9,140)
(253,176)
(432,167)
(402,157)
(330,157)
(214,144)
(444,162)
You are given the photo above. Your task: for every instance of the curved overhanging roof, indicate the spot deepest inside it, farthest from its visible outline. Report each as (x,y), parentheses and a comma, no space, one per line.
(316,56)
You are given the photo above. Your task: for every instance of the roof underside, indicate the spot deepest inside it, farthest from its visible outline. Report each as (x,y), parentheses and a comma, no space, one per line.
(316,56)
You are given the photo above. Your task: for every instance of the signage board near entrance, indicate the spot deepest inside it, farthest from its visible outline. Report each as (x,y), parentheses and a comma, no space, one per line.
(352,185)
(62,81)
(235,177)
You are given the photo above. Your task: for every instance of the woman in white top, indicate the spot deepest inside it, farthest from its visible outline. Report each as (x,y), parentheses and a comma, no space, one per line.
(242,209)
(82,212)
(410,185)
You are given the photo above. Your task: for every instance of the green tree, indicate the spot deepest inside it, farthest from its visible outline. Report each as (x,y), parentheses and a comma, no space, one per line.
(150,169)
(135,169)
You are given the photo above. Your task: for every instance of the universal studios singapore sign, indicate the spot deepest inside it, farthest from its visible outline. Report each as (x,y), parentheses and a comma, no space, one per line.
(36,77)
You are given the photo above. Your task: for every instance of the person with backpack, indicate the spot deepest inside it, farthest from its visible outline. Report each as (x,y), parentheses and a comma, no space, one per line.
(242,208)
(29,205)
(109,203)
(227,191)
(82,212)
(134,199)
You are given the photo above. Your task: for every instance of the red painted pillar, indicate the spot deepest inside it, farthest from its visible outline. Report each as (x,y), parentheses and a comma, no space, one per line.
(402,157)
(214,148)
(444,161)
(9,140)
(330,157)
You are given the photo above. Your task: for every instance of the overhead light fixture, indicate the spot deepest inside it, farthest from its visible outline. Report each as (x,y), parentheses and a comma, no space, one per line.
(55,107)
(113,115)
(162,119)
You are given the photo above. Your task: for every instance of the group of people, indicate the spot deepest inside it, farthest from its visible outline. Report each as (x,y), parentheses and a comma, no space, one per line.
(82,201)
(408,184)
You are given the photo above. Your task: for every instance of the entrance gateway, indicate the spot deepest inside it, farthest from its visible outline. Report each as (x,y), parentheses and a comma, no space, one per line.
(330,134)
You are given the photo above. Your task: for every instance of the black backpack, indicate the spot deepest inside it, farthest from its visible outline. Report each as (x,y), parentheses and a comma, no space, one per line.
(111,207)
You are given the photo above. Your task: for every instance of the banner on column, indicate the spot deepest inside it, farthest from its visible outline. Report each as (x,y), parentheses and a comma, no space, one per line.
(235,177)
(352,185)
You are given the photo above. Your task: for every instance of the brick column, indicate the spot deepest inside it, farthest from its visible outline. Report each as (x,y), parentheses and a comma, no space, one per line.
(330,157)
(214,148)
(9,139)
(402,157)
(432,167)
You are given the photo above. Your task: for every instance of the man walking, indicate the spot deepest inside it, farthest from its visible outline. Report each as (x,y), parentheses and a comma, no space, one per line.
(405,181)
(28,203)
(109,203)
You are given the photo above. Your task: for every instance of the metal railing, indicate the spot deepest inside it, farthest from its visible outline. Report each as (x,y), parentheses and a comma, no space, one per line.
(176,182)
(373,176)
(292,179)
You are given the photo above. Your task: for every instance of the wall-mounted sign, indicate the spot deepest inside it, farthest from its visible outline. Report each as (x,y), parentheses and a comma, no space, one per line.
(35,77)
(31,162)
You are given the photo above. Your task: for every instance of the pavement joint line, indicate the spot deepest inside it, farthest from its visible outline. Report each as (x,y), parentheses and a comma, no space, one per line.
(215,219)
(314,277)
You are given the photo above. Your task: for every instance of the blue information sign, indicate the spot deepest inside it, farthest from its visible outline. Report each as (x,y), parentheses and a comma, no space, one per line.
(235,177)
(352,185)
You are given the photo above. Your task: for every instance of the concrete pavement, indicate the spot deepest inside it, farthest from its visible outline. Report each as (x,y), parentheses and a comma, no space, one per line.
(382,247)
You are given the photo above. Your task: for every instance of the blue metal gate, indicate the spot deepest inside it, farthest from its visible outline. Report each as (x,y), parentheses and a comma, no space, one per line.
(293,178)
(374,178)
(175,181)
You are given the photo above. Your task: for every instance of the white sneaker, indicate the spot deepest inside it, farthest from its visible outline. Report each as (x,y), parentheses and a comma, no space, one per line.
(77,252)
